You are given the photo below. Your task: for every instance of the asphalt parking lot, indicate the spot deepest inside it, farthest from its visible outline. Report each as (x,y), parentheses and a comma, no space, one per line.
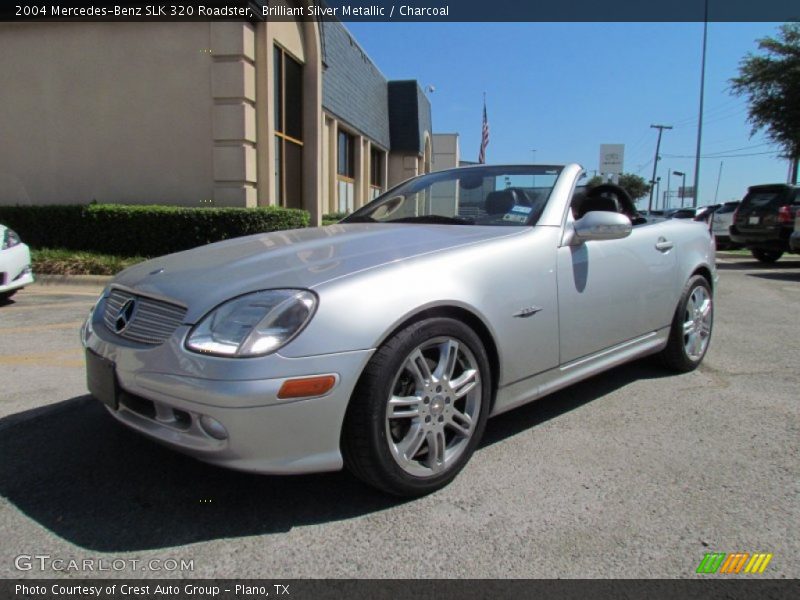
(636,473)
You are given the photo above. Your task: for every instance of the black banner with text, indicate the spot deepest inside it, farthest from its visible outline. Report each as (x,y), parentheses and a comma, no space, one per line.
(411,10)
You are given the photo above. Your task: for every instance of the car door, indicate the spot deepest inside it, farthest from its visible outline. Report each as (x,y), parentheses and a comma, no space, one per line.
(611,291)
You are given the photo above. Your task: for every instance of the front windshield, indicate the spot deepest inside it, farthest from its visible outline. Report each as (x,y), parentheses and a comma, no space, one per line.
(513,196)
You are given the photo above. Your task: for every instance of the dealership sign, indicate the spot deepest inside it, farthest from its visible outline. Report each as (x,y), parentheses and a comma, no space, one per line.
(611,158)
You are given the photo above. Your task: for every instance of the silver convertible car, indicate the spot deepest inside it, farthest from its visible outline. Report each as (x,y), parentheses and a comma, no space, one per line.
(383,343)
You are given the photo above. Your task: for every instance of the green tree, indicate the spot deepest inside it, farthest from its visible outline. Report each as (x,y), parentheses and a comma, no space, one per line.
(594,182)
(636,186)
(771,82)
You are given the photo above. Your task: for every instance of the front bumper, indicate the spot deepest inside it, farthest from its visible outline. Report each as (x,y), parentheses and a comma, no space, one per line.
(166,390)
(15,268)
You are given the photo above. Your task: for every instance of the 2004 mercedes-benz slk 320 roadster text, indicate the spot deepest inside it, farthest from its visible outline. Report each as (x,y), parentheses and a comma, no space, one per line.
(384,342)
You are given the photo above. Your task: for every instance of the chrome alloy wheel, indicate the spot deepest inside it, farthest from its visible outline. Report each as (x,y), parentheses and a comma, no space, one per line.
(434,406)
(697,323)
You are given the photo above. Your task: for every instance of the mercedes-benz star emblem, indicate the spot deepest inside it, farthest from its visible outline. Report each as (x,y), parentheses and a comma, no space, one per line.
(125,315)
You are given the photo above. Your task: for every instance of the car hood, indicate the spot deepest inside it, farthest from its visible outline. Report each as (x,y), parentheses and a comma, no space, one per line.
(206,276)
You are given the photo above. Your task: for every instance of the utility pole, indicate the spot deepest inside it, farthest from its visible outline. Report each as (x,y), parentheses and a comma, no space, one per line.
(661,129)
(700,117)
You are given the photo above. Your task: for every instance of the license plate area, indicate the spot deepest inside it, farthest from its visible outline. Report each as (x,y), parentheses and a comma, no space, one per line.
(101,379)
(753,220)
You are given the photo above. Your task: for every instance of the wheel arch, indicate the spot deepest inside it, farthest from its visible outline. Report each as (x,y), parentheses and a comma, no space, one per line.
(705,271)
(468,317)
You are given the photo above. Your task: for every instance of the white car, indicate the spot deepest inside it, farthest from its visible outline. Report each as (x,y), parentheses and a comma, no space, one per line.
(15,263)
(721,222)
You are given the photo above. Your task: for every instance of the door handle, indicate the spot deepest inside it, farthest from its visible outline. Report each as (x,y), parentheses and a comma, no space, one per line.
(664,245)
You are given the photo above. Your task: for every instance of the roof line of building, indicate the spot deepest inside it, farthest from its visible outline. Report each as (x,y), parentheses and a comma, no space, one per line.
(360,47)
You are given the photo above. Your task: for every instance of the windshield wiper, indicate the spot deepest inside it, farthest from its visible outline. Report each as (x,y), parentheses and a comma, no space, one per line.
(435,219)
(359,219)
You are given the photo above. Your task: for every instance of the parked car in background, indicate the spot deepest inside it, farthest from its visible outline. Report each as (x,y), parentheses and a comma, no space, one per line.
(680,213)
(794,239)
(704,213)
(765,219)
(384,342)
(15,263)
(721,221)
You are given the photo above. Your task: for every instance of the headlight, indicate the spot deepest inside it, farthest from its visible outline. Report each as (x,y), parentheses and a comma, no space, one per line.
(254,324)
(87,330)
(10,239)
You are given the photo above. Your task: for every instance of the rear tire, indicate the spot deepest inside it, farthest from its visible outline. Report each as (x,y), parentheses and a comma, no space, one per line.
(766,256)
(419,409)
(7,295)
(690,333)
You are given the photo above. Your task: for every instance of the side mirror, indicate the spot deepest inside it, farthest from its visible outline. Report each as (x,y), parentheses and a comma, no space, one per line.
(602,225)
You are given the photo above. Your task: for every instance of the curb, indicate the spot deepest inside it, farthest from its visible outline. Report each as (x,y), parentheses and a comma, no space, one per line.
(87,280)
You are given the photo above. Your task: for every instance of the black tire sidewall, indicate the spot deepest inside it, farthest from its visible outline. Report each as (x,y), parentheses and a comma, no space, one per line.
(383,371)
(766,256)
(691,285)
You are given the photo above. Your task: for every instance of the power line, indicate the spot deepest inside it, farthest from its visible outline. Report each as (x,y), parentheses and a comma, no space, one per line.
(775,152)
(736,105)
(714,118)
(738,149)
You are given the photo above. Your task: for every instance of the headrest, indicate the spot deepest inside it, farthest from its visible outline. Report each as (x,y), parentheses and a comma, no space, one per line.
(500,202)
(605,203)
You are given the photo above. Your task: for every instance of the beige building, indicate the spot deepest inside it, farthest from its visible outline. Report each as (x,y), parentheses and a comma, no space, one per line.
(204,113)
(446,151)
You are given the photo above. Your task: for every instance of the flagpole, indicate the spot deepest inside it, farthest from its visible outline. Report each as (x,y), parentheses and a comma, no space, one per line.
(484,134)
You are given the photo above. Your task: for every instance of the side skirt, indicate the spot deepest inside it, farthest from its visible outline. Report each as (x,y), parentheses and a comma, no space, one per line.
(532,388)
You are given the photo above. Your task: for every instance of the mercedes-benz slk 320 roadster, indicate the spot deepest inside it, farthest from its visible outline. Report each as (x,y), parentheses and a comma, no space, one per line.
(383,343)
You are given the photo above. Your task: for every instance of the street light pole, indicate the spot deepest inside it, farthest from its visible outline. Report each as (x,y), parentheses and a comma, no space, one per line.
(658,190)
(661,129)
(681,174)
(667,203)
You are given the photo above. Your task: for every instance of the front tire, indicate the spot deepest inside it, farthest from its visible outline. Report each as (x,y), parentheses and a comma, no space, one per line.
(690,332)
(419,408)
(766,256)
(4,296)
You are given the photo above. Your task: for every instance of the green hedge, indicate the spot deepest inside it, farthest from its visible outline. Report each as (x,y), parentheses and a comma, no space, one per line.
(141,230)
(332,218)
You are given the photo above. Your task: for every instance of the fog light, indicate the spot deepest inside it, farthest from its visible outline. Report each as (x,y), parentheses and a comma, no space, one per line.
(213,428)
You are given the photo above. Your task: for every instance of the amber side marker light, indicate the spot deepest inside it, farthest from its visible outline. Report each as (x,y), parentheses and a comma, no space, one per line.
(307,387)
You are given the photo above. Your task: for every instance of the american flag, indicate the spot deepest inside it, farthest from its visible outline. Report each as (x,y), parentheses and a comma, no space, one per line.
(484,135)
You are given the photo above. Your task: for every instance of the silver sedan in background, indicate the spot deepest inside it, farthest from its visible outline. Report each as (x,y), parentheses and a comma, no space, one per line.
(384,342)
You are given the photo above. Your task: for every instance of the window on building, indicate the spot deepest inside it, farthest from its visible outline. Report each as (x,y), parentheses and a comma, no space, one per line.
(375,172)
(288,112)
(346,154)
(345,171)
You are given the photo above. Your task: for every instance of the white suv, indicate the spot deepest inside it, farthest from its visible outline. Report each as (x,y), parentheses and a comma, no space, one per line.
(721,221)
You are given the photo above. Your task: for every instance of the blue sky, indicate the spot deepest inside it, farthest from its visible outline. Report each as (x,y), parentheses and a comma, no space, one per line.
(565,88)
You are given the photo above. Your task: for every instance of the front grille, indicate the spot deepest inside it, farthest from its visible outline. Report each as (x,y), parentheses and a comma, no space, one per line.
(150,322)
